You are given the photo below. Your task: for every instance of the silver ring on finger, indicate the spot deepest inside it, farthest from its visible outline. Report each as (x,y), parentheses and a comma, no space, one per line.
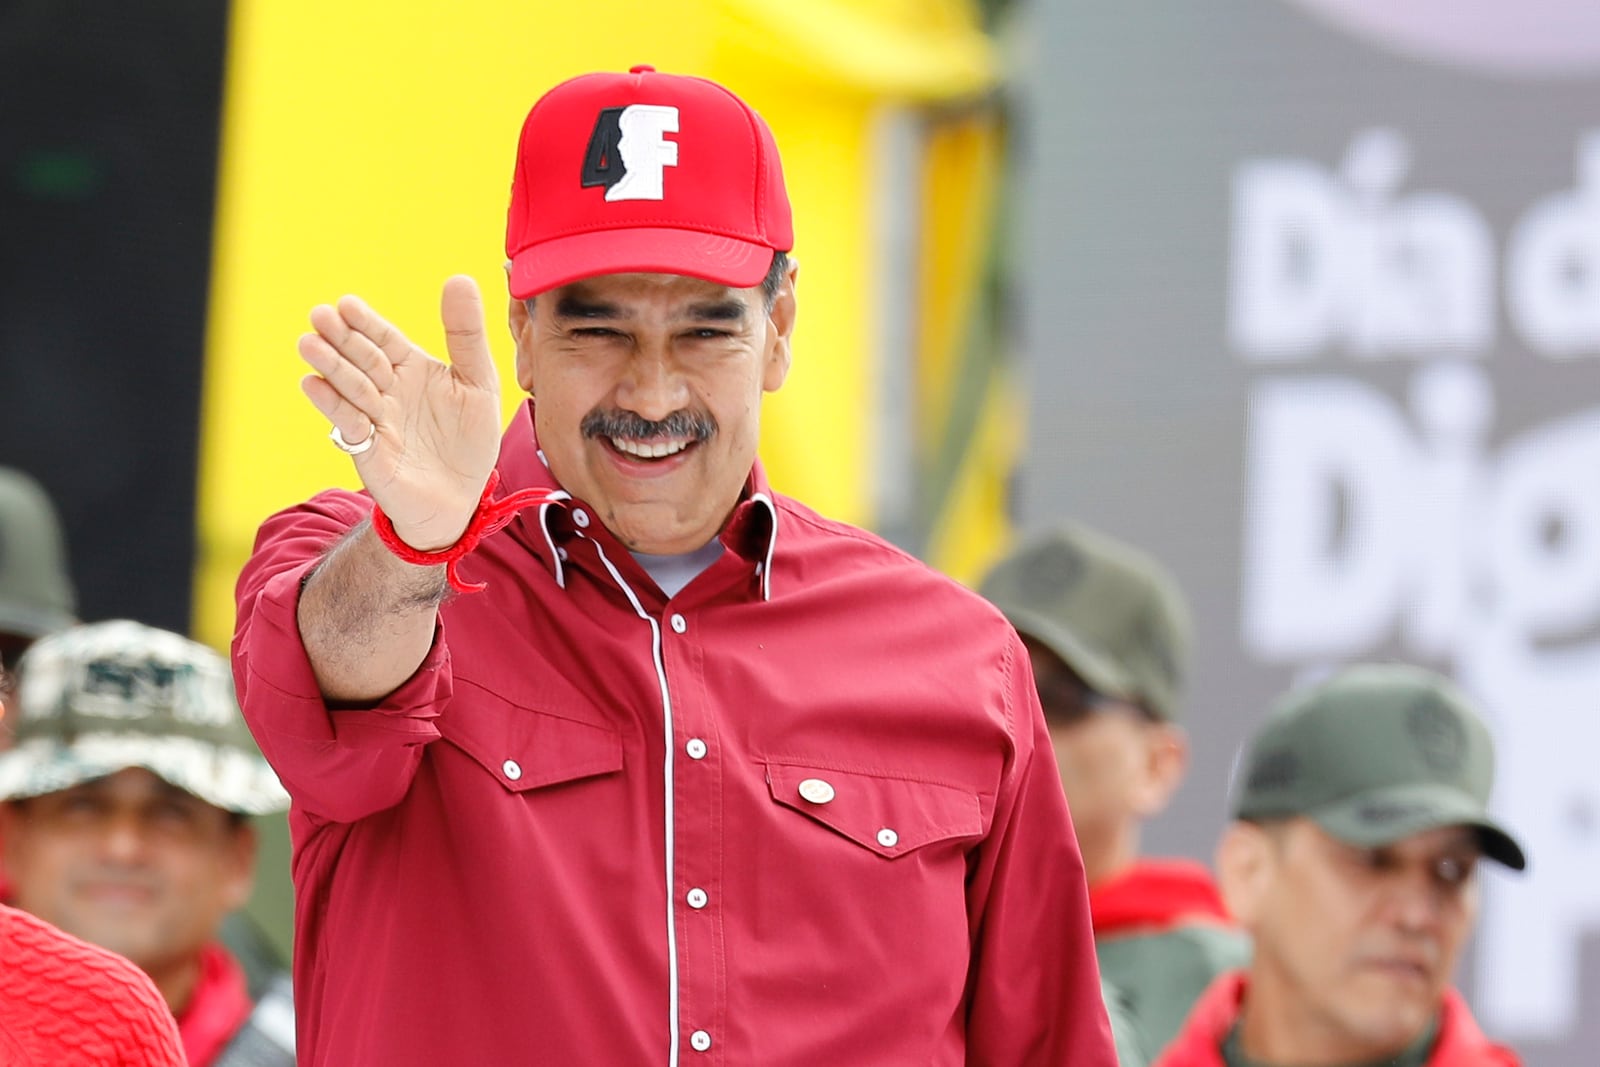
(352,449)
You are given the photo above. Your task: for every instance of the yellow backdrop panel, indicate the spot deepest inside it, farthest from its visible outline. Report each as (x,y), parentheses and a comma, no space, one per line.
(368,149)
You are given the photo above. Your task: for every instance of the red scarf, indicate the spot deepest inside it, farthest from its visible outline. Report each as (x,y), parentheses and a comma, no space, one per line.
(1155,895)
(1199,1043)
(219,1005)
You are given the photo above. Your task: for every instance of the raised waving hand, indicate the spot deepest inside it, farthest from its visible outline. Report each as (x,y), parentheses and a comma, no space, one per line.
(434,427)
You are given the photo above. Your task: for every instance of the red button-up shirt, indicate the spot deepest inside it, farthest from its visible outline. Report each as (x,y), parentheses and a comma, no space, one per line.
(803,812)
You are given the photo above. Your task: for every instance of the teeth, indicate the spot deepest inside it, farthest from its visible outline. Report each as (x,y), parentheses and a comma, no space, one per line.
(648,449)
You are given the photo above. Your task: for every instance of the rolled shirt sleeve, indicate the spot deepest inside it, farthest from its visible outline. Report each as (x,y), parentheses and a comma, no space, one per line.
(339,765)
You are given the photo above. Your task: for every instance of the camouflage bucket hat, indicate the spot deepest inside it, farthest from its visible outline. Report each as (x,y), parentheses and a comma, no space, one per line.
(100,698)
(1375,754)
(1111,613)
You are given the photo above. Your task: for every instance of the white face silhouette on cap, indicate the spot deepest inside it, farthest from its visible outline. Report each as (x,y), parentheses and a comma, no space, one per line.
(645,153)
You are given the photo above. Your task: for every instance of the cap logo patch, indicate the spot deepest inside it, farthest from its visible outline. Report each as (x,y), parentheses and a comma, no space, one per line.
(115,688)
(1278,769)
(627,153)
(1438,736)
(1052,572)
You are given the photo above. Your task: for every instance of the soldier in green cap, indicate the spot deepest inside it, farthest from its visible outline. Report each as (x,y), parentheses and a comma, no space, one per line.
(1107,631)
(1352,860)
(36,592)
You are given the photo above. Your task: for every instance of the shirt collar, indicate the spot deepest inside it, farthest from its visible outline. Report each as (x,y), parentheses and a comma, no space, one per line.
(751,531)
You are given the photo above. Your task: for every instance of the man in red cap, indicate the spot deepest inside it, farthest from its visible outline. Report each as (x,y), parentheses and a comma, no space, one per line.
(686,773)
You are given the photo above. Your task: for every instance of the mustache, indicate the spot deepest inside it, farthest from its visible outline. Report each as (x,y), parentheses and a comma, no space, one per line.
(615,422)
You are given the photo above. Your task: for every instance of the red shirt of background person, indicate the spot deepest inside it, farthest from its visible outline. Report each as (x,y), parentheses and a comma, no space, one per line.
(700,777)
(1360,821)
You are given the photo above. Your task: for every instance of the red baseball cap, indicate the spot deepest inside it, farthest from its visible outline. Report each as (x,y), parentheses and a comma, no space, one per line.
(658,173)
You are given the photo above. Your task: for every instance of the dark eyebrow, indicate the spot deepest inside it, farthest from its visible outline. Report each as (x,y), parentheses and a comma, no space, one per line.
(717,311)
(573,307)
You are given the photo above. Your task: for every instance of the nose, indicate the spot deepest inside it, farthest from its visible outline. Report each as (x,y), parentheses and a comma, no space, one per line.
(652,387)
(122,839)
(1416,901)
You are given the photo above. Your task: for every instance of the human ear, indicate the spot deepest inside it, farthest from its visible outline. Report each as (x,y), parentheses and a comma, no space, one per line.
(1244,862)
(241,874)
(1165,760)
(520,321)
(780,326)
(9,836)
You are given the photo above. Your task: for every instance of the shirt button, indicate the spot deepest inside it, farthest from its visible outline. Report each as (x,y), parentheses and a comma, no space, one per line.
(679,623)
(512,768)
(696,748)
(696,898)
(561,554)
(888,838)
(700,1040)
(816,791)
(581,517)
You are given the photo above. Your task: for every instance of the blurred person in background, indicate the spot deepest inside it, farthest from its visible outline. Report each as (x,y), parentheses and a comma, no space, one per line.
(1353,861)
(1107,630)
(126,822)
(36,591)
(38,597)
(64,1001)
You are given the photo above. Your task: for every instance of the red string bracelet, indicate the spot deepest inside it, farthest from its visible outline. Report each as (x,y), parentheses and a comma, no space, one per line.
(491,517)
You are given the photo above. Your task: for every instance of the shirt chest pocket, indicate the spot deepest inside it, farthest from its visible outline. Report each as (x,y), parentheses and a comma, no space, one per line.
(524,748)
(885,814)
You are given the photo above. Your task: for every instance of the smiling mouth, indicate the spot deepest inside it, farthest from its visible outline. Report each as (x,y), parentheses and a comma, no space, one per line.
(117,894)
(649,450)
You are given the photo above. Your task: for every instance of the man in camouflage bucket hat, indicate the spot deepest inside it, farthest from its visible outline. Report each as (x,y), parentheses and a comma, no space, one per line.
(126,822)
(1361,816)
(1107,631)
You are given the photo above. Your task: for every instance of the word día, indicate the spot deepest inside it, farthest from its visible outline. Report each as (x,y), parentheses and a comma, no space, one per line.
(1341,258)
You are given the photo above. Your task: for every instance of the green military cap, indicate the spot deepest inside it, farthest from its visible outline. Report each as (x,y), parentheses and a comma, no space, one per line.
(1374,754)
(1112,613)
(36,594)
(107,696)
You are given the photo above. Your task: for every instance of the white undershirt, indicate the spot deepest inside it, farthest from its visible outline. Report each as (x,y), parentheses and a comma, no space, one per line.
(672,573)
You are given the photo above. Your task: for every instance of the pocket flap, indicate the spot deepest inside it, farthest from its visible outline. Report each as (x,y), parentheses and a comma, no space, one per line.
(526,749)
(887,814)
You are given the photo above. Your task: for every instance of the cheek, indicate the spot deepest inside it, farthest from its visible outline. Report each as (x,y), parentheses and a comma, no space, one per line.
(37,857)
(1316,923)
(1093,767)
(1100,752)
(1455,928)
(41,876)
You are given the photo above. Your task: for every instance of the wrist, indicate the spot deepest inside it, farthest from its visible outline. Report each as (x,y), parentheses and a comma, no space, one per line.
(489,517)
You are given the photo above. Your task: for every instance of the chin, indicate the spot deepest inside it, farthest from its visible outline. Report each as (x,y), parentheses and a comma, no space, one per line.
(658,535)
(1390,1031)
